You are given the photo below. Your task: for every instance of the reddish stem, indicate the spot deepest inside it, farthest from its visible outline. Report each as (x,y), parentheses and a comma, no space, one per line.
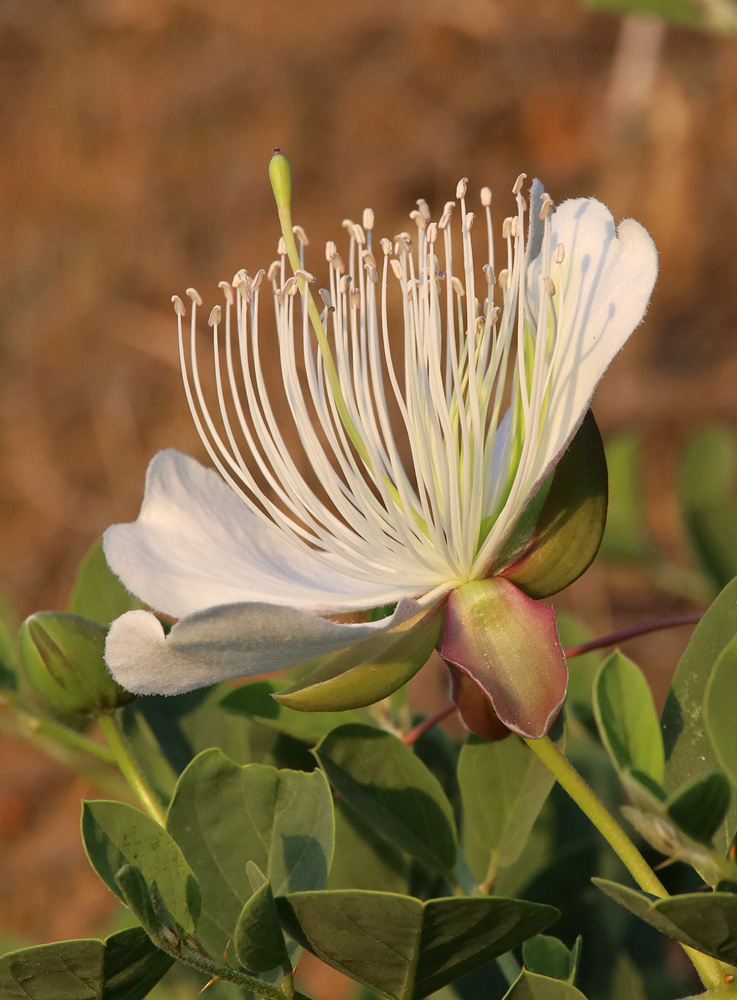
(632,632)
(432,720)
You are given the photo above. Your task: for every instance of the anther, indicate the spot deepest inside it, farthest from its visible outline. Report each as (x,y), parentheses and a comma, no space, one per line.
(458,286)
(355,298)
(215,316)
(397,269)
(327,298)
(359,235)
(424,209)
(304,275)
(507,227)
(368,219)
(490,275)
(432,232)
(290,287)
(444,221)
(345,283)
(518,184)
(504,277)
(486,196)
(462,187)
(228,291)
(338,263)
(560,253)
(549,286)
(470,216)
(547,208)
(273,272)
(373,274)
(281,247)
(348,224)
(368,258)
(301,235)
(514,227)
(195,296)
(418,219)
(258,278)
(448,207)
(386,246)
(330,248)
(178,306)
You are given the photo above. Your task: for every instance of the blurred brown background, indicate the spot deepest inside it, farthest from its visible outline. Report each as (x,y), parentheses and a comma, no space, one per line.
(136,136)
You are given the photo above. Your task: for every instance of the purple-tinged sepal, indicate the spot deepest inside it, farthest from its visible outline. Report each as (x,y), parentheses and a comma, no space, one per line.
(508,646)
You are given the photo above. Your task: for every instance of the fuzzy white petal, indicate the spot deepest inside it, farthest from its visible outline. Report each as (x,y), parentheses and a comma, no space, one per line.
(228,641)
(602,290)
(195,545)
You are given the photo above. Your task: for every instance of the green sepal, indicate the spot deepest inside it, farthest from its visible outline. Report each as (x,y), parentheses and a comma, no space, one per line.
(125,966)
(368,671)
(569,529)
(405,949)
(62,658)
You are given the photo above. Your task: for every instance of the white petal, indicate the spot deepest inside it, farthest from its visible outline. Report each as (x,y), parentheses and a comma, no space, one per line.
(607,277)
(195,545)
(226,642)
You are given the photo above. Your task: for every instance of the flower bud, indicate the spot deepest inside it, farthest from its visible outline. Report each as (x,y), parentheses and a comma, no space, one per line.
(280,176)
(62,658)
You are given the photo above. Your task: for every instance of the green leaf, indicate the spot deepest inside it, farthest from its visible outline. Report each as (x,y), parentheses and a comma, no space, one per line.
(98,594)
(390,788)
(688,749)
(548,956)
(362,859)
(627,535)
(571,524)
(405,949)
(530,986)
(626,717)
(707,473)
(222,816)
(368,671)
(8,645)
(254,701)
(116,834)
(126,966)
(719,17)
(258,939)
(720,709)
(503,788)
(699,808)
(627,980)
(706,921)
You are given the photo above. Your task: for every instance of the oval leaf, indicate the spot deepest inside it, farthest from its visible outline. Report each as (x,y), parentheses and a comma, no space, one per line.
(126,966)
(116,834)
(222,816)
(390,788)
(720,709)
(258,939)
(571,524)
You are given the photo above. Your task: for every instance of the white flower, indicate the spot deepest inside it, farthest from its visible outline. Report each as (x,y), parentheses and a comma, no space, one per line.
(422,465)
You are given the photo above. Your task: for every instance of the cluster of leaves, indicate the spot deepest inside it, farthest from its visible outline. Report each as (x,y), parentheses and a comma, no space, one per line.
(414,870)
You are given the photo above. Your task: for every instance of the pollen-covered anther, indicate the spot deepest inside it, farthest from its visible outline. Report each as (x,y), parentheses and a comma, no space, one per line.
(504,278)
(258,278)
(305,275)
(507,227)
(290,287)
(514,227)
(486,196)
(194,296)
(469,220)
(549,286)
(272,274)
(355,298)
(345,284)
(301,235)
(490,275)
(445,220)
(216,314)
(448,207)
(368,219)
(331,247)
(418,219)
(424,209)
(397,269)
(327,299)
(517,187)
(458,286)
(179,307)
(560,254)
(368,258)
(386,246)
(547,208)
(338,263)
(462,187)
(432,232)
(358,235)
(281,247)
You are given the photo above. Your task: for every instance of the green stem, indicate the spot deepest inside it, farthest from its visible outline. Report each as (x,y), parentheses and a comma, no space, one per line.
(33,725)
(130,769)
(709,969)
